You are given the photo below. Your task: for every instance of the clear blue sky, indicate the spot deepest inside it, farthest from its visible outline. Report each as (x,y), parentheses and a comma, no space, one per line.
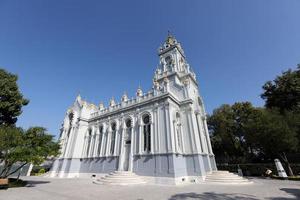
(61,47)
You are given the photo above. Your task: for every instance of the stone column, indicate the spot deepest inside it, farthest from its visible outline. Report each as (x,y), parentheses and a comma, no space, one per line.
(207,135)
(134,136)
(107,152)
(95,154)
(199,123)
(171,133)
(140,136)
(182,139)
(92,143)
(176,138)
(116,140)
(167,124)
(131,149)
(192,131)
(62,143)
(121,155)
(151,137)
(155,130)
(68,141)
(102,149)
(84,151)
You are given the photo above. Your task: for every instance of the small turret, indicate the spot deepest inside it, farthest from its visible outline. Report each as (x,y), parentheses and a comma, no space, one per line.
(112,102)
(124,97)
(139,92)
(101,106)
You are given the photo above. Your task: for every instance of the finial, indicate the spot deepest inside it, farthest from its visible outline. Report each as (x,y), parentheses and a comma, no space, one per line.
(124,97)
(139,91)
(169,33)
(78,98)
(101,105)
(112,102)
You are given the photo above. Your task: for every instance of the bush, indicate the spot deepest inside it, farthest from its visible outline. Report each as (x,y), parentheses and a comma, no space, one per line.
(42,171)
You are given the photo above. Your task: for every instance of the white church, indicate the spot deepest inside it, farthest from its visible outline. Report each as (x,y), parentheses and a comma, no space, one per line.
(160,135)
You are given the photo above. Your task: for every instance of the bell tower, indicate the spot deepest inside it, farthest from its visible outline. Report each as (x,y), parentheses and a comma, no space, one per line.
(171,56)
(174,70)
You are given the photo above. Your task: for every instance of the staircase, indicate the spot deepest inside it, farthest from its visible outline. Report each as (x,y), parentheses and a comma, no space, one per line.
(120,178)
(225,177)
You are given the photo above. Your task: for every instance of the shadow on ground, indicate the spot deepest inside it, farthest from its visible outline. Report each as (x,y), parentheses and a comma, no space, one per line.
(291,191)
(31,183)
(211,195)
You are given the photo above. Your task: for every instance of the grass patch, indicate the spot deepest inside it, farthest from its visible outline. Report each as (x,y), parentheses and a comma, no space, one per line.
(292,178)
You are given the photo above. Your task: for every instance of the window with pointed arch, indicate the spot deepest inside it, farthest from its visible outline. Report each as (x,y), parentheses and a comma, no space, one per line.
(128,129)
(147,133)
(88,145)
(100,139)
(178,131)
(113,137)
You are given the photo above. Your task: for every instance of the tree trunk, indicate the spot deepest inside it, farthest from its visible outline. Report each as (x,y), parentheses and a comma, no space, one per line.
(284,158)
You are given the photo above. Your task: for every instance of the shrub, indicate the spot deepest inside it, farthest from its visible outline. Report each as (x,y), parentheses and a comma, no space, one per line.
(42,171)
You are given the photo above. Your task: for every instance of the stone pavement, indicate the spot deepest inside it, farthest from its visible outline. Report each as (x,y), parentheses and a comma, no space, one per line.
(79,189)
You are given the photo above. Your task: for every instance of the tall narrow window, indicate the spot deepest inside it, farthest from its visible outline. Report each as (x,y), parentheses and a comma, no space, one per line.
(88,146)
(147,133)
(113,135)
(100,139)
(128,130)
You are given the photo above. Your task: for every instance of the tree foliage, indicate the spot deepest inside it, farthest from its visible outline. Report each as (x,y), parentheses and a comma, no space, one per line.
(11,99)
(243,133)
(284,91)
(18,146)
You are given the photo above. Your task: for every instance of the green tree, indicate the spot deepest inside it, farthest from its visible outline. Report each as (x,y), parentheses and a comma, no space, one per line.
(229,136)
(11,99)
(284,91)
(243,133)
(23,147)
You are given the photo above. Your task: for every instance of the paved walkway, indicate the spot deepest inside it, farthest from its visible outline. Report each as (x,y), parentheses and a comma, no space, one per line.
(80,189)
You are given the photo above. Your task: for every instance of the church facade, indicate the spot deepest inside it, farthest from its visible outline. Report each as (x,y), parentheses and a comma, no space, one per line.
(161,134)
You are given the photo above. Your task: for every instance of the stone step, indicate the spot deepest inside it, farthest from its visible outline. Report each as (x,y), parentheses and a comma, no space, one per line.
(123,175)
(221,171)
(222,175)
(225,177)
(120,178)
(107,182)
(231,182)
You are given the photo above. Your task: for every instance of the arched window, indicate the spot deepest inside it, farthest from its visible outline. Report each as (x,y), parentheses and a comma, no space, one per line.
(147,133)
(100,139)
(88,146)
(113,135)
(168,60)
(178,130)
(128,130)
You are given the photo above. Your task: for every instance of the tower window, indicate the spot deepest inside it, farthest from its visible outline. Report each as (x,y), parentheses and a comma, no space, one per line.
(168,60)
